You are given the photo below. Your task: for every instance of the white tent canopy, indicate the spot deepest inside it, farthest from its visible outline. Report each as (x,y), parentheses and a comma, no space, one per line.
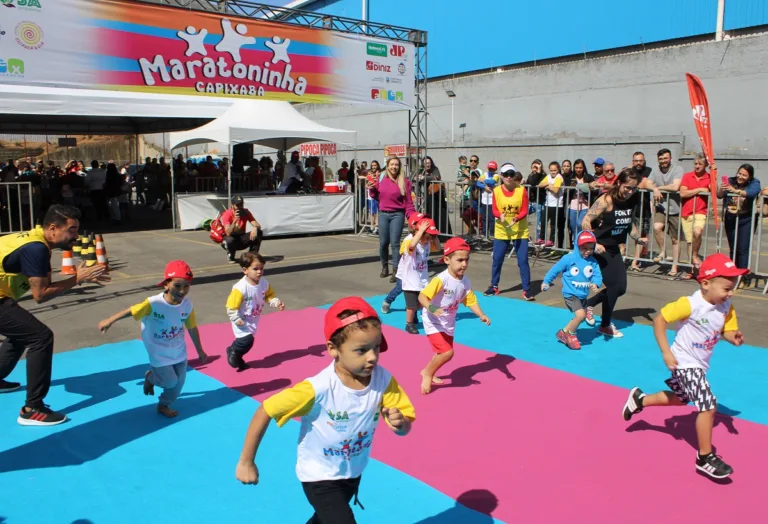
(273,124)
(26,109)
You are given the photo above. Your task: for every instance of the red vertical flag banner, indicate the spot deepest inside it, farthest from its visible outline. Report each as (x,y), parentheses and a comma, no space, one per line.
(700,108)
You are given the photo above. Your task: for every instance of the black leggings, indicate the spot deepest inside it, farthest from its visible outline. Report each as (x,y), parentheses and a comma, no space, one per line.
(615,280)
(330,499)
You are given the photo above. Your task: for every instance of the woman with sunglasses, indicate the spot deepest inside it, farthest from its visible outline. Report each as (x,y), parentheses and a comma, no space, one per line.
(610,218)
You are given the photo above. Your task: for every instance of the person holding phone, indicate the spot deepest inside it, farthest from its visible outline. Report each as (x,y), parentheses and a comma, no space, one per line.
(739,193)
(235,221)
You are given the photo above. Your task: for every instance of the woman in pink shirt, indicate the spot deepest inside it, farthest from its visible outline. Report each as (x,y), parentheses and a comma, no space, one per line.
(393,193)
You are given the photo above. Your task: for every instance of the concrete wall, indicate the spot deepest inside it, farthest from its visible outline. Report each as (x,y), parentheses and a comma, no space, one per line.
(606,107)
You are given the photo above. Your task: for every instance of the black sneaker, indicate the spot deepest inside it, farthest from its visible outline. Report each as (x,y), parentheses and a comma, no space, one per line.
(712,465)
(413,329)
(236,361)
(230,258)
(384,271)
(634,404)
(7,387)
(42,416)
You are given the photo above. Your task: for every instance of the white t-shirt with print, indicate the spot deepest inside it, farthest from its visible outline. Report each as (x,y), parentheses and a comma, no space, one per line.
(555,200)
(246,302)
(162,329)
(699,326)
(446,292)
(413,269)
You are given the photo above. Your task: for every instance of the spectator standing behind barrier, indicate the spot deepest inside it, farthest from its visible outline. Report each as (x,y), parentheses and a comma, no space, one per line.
(694,189)
(25,265)
(537,196)
(510,208)
(553,201)
(643,213)
(739,194)
(667,211)
(578,199)
(485,184)
(235,221)
(435,198)
(394,195)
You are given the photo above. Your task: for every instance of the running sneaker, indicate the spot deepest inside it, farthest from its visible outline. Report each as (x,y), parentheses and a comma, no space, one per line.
(235,360)
(492,290)
(527,297)
(413,329)
(610,331)
(634,404)
(570,340)
(230,258)
(549,243)
(385,307)
(42,416)
(713,466)
(590,316)
(7,387)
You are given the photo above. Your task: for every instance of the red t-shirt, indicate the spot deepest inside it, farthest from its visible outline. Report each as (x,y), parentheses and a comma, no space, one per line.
(691,181)
(228,217)
(608,183)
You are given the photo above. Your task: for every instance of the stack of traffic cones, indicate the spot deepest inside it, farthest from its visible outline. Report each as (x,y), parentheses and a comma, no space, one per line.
(101,252)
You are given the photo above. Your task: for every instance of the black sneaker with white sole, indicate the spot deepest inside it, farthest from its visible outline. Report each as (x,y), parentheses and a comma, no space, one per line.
(713,466)
(7,387)
(42,416)
(634,404)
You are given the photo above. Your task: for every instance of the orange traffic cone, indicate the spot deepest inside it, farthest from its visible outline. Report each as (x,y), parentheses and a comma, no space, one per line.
(67,263)
(101,253)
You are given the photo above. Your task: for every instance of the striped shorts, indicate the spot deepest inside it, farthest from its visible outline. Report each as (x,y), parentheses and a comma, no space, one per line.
(691,385)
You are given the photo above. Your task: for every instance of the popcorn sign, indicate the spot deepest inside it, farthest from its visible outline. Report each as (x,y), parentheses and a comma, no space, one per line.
(318,149)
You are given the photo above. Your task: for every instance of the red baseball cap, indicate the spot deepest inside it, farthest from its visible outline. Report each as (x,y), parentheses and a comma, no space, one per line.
(177,269)
(415,218)
(586,237)
(719,265)
(455,244)
(493,165)
(333,323)
(432,227)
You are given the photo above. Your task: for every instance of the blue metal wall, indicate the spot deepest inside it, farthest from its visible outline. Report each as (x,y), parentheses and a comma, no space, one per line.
(466,36)
(745,13)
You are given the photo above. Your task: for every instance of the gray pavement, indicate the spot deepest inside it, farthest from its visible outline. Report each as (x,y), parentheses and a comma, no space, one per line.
(305,272)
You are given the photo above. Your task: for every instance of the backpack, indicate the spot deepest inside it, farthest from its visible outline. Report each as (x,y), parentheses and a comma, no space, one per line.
(217,233)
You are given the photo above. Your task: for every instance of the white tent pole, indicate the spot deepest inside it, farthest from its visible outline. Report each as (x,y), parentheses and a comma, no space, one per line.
(229,172)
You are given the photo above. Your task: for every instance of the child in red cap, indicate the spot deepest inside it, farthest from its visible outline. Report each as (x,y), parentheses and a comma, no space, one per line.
(413,222)
(339,409)
(163,318)
(702,319)
(413,272)
(441,299)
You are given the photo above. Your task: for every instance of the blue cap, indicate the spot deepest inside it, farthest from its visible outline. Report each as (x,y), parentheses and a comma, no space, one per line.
(599,161)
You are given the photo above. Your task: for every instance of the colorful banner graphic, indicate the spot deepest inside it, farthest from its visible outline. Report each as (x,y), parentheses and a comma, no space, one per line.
(318,149)
(131,46)
(700,108)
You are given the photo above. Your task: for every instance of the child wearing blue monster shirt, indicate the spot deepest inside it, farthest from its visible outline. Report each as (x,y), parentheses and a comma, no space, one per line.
(581,274)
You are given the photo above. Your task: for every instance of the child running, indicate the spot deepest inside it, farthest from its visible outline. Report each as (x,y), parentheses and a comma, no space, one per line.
(413,270)
(413,221)
(581,274)
(441,299)
(701,320)
(339,410)
(163,317)
(244,306)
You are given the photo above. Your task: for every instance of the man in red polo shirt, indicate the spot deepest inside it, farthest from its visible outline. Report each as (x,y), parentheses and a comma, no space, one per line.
(235,220)
(694,194)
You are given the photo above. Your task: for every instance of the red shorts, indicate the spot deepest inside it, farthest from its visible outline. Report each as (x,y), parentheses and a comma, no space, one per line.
(441,343)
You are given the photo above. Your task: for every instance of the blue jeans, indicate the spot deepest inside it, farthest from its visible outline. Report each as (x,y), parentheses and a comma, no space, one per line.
(540,221)
(171,379)
(521,252)
(396,292)
(390,229)
(574,221)
(489,221)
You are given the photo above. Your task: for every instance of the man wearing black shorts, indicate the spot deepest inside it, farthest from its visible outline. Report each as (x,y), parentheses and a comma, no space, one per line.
(25,265)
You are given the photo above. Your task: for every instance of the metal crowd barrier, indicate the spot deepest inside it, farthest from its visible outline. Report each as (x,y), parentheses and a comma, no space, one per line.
(17,209)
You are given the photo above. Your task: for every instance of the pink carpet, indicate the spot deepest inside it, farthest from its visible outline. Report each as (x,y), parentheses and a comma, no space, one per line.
(550,445)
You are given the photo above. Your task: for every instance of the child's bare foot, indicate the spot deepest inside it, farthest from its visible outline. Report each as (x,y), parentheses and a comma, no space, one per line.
(167,411)
(435,380)
(426,384)
(149,388)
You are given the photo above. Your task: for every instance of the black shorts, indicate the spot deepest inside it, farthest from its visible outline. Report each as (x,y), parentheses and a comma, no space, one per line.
(411,299)
(691,385)
(330,500)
